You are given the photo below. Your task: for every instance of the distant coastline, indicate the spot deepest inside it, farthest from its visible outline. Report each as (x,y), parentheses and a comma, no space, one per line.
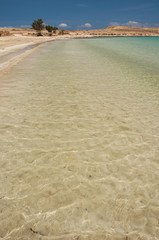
(108,32)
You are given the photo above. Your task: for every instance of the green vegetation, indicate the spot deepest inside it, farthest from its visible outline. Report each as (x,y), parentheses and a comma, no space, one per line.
(49,28)
(62,32)
(38,25)
(54,29)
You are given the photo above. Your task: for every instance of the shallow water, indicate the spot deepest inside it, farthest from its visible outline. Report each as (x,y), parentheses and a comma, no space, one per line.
(12,54)
(79,141)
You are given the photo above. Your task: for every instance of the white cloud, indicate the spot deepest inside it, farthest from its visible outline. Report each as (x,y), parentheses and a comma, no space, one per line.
(25,26)
(8,27)
(130,24)
(114,24)
(63,25)
(133,24)
(88,25)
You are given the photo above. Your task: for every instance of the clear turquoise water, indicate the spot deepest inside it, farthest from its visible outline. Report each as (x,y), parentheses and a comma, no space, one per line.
(79,137)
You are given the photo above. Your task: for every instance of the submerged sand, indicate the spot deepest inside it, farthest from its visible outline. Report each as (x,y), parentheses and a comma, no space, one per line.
(79,148)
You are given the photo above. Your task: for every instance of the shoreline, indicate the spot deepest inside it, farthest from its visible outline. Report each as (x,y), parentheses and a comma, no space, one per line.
(11,45)
(14,46)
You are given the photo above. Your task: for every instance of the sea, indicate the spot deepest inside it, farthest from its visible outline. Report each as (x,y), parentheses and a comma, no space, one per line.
(79,141)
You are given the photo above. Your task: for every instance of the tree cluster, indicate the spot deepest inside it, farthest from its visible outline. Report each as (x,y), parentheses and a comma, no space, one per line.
(39,25)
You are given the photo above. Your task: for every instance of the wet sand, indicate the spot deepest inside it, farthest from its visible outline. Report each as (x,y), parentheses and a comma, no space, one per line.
(13,49)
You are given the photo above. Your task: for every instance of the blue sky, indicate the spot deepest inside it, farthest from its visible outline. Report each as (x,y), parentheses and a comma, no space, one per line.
(80,14)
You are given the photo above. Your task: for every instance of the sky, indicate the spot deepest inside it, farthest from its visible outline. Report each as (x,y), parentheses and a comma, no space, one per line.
(80,14)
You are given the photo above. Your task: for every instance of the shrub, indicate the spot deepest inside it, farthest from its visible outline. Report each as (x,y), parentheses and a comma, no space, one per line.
(54,29)
(62,32)
(49,28)
(38,25)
